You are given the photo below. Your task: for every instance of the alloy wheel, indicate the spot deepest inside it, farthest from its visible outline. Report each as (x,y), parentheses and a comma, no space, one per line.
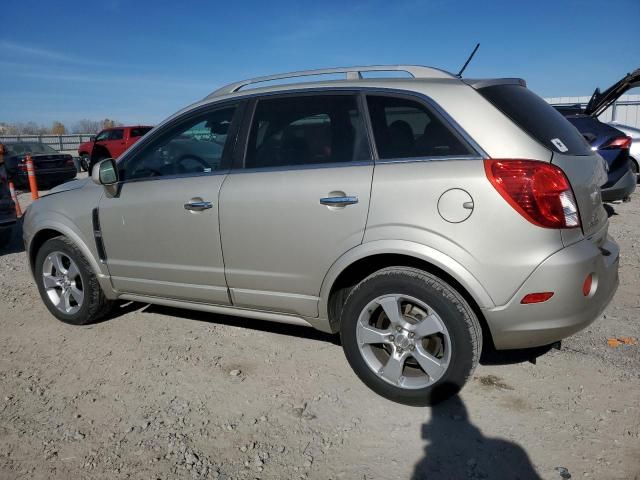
(403,341)
(62,282)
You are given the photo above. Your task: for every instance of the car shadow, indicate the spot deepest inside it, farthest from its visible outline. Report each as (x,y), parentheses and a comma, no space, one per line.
(457,449)
(609,209)
(15,245)
(233,321)
(491,356)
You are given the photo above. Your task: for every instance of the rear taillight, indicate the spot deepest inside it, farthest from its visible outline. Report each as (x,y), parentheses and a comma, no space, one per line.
(623,143)
(539,191)
(539,297)
(68,161)
(586,286)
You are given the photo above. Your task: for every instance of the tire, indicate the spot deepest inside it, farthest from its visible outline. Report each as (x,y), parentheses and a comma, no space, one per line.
(427,304)
(92,306)
(97,158)
(634,169)
(85,160)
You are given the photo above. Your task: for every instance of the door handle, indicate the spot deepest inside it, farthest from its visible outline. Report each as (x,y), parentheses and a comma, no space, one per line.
(338,201)
(197,206)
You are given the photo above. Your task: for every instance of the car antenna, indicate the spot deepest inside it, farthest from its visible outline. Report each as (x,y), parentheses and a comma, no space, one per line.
(459,75)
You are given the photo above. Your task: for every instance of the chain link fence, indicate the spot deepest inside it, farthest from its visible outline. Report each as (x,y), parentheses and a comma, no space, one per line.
(61,143)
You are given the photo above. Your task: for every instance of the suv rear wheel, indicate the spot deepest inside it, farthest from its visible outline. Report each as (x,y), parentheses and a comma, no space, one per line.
(85,160)
(409,336)
(67,284)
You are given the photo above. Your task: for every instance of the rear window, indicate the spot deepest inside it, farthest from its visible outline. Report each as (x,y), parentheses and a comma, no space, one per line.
(537,118)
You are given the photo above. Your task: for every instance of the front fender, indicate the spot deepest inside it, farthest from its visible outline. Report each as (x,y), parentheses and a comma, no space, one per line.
(410,249)
(39,221)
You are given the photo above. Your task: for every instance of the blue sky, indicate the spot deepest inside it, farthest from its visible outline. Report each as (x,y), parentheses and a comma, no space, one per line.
(138,62)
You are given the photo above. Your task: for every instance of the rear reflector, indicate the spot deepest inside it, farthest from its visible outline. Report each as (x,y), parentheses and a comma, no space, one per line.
(539,191)
(619,142)
(536,297)
(586,286)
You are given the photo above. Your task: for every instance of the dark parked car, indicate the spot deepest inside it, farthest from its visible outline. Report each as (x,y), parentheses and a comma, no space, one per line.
(51,167)
(612,144)
(7,208)
(634,151)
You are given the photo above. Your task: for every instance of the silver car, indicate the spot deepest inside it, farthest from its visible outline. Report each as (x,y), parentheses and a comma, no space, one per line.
(419,217)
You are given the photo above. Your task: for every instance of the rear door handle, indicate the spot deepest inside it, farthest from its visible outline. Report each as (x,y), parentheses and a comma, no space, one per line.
(198,206)
(338,201)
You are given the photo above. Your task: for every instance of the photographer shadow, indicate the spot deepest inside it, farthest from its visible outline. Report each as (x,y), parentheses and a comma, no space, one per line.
(12,243)
(457,449)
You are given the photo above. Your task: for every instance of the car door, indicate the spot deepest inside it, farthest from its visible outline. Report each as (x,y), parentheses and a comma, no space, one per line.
(116,144)
(160,227)
(101,140)
(297,200)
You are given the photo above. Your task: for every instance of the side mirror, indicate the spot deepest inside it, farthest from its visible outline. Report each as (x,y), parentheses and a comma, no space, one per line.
(105,172)
(92,138)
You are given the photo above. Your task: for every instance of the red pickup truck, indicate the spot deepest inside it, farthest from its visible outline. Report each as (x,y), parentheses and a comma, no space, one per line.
(109,143)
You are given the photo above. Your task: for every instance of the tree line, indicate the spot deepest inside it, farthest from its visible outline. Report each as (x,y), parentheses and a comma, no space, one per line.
(57,128)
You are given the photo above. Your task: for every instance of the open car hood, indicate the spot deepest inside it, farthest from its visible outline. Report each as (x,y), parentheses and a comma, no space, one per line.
(600,101)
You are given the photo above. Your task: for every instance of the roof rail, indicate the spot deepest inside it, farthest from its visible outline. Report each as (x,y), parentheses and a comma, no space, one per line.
(352,73)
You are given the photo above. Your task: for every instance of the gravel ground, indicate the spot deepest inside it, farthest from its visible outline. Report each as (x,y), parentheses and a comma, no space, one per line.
(164,393)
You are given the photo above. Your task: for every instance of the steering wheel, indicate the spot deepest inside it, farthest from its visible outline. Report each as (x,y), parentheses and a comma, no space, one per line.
(191,157)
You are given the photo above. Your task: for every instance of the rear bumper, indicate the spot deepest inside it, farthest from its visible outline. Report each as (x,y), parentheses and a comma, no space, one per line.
(620,190)
(49,175)
(521,326)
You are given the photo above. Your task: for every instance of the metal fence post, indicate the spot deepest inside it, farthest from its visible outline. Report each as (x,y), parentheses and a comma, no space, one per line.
(614,109)
(60,140)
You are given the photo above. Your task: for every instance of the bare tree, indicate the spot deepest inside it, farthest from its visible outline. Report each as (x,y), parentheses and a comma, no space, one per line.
(28,128)
(87,126)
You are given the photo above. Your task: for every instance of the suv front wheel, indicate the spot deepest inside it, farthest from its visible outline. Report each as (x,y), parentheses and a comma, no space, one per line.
(67,284)
(410,336)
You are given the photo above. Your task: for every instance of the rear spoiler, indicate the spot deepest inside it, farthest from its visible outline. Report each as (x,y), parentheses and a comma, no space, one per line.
(490,82)
(600,101)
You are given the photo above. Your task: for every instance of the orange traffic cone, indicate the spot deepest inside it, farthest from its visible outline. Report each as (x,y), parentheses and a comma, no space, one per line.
(31,172)
(14,197)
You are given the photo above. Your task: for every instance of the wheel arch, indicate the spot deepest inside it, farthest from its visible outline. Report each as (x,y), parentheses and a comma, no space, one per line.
(361,261)
(55,229)
(99,149)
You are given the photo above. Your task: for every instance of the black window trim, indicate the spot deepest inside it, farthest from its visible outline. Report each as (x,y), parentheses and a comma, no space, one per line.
(228,153)
(243,119)
(245,131)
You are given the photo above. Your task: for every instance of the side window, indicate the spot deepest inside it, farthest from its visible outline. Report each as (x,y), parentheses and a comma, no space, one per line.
(193,146)
(407,129)
(117,134)
(139,131)
(102,136)
(306,130)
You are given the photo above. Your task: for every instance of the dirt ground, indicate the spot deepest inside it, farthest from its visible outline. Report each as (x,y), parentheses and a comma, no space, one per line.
(163,393)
